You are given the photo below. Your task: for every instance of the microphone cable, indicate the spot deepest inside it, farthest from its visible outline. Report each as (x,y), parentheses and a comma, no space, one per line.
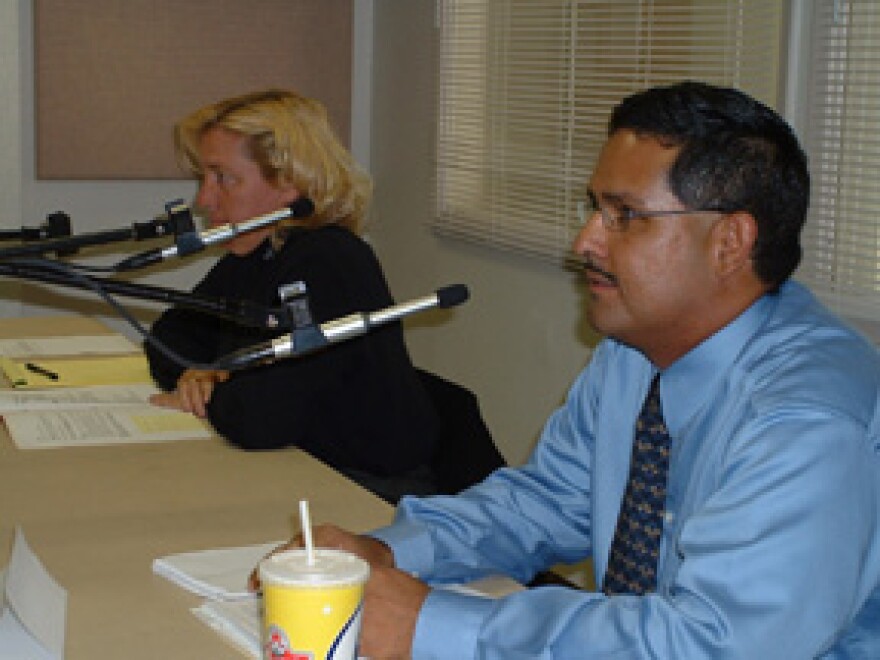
(73,272)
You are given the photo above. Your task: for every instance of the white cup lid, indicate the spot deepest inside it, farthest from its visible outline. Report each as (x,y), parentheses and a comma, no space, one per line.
(331,567)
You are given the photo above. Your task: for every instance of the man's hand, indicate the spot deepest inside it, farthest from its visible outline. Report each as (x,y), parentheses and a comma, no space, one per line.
(392,602)
(194,389)
(392,598)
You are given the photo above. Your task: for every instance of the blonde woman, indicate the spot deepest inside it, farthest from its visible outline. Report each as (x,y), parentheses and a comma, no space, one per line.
(358,406)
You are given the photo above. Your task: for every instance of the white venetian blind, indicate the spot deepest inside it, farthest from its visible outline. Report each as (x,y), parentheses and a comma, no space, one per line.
(842,237)
(526,86)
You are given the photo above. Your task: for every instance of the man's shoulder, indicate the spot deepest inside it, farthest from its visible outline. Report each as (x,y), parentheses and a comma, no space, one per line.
(805,355)
(801,328)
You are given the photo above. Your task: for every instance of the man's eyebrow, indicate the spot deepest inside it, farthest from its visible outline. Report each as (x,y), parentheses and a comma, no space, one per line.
(614,198)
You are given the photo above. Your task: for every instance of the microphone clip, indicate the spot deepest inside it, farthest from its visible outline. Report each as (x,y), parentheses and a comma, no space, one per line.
(176,220)
(305,334)
(185,235)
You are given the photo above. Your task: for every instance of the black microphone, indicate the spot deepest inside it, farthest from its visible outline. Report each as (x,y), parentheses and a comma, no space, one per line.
(338,330)
(56,225)
(302,207)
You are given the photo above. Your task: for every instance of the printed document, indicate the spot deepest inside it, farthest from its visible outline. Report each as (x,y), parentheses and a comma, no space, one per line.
(102,426)
(71,398)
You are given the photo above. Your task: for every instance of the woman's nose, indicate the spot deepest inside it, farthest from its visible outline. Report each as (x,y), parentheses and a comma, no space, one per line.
(205,196)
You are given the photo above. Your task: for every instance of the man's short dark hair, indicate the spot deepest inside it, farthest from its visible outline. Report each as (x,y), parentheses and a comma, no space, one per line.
(736,154)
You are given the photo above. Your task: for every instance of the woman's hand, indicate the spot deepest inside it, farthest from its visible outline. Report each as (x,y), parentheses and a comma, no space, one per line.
(194,389)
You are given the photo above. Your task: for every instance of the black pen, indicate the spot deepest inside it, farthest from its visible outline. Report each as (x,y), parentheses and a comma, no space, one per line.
(37,369)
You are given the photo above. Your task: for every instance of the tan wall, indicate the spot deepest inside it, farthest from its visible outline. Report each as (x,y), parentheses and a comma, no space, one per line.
(520,340)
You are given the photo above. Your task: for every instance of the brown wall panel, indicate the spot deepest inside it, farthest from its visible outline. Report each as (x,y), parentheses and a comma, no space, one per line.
(113,76)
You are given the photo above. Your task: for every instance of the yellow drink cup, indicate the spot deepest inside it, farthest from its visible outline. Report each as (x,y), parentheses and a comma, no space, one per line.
(312,611)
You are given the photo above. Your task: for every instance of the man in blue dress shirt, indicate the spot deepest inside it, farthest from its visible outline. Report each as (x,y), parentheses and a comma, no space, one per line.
(770,542)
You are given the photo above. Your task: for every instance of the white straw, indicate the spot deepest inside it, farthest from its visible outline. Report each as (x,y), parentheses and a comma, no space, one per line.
(306,525)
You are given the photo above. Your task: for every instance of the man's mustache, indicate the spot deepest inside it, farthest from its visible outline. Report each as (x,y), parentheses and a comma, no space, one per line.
(590,267)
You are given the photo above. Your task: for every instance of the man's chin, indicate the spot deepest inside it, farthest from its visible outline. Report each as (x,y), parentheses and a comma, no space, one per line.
(601,319)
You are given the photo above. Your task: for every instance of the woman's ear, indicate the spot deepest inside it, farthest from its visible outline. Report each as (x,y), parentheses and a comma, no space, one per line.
(286,194)
(289,192)
(734,237)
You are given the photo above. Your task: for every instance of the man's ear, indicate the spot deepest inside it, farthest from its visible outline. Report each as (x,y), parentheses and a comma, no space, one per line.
(734,237)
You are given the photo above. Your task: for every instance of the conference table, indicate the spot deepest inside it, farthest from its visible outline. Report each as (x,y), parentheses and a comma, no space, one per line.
(97,517)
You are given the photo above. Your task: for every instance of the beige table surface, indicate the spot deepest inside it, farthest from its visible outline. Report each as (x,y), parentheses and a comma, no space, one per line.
(98,516)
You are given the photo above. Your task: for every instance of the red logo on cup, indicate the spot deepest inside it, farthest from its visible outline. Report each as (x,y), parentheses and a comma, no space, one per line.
(277,647)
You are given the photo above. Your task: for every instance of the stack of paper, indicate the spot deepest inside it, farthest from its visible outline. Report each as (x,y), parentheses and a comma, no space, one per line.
(33,606)
(92,396)
(76,398)
(237,621)
(219,574)
(83,427)
(81,416)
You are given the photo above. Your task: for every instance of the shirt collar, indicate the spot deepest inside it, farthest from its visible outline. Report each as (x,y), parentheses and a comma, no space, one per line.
(706,364)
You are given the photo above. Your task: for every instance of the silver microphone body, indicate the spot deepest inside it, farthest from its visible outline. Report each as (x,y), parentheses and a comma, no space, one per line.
(230,231)
(301,207)
(341,329)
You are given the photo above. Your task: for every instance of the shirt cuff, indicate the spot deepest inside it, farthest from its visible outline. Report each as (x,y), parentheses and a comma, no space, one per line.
(449,625)
(411,545)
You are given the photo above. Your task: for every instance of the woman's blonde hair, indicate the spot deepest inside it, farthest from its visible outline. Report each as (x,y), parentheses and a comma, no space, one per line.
(290,138)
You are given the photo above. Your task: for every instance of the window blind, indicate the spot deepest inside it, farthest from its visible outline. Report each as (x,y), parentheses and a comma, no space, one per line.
(842,237)
(526,87)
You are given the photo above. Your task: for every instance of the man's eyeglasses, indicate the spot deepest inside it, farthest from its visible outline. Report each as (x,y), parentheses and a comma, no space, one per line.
(618,218)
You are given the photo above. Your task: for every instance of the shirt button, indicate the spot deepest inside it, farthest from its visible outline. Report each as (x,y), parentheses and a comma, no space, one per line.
(668,517)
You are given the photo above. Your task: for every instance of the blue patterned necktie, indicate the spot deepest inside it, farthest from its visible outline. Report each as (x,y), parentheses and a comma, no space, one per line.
(632,564)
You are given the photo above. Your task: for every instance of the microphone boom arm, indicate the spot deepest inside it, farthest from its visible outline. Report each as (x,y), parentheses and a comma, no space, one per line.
(160,226)
(243,312)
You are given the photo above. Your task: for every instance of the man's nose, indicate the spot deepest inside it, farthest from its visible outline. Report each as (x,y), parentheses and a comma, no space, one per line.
(591,239)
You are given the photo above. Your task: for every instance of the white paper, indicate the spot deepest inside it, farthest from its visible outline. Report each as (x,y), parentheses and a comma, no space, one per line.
(16,642)
(68,398)
(219,574)
(238,621)
(109,344)
(104,426)
(35,607)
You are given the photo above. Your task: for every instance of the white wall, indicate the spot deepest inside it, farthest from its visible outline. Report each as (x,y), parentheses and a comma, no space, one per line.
(10,140)
(520,340)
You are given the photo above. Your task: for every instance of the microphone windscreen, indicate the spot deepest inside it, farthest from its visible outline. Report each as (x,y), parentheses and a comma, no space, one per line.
(302,207)
(452,295)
